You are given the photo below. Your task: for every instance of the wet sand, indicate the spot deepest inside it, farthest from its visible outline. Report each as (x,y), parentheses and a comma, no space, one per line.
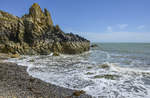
(15,82)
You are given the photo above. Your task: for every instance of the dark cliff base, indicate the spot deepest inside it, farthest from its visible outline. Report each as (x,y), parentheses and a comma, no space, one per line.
(15,82)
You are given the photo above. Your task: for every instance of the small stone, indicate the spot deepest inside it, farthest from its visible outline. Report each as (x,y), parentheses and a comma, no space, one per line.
(89,73)
(14,55)
(89,67)
(104,66)
(78,92)
(31,60)
(55,54)
(107,76)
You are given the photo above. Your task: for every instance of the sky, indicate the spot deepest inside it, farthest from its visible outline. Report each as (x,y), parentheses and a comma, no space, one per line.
(96,20)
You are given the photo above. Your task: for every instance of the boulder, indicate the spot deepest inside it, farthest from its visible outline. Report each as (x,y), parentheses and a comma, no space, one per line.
(94,45)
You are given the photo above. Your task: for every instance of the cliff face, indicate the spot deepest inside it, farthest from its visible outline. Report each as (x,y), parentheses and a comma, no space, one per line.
(34,33)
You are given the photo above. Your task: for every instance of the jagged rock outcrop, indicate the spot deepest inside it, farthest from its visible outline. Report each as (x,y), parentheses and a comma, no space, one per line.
(34,33)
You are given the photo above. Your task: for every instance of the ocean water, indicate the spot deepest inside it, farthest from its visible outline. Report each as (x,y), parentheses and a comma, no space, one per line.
(111,70)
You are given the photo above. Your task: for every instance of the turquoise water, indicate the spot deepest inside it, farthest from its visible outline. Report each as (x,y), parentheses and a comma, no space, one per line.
(111,70)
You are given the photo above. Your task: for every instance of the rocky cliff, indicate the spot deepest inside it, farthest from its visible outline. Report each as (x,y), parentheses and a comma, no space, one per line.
(34,33)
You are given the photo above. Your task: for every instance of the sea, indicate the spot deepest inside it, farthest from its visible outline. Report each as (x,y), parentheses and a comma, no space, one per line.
(110,70)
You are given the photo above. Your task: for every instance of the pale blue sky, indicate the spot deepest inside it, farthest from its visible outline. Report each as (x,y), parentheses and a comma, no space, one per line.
(97,20)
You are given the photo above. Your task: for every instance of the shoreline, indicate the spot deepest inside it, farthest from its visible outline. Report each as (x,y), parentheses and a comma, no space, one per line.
(16,82)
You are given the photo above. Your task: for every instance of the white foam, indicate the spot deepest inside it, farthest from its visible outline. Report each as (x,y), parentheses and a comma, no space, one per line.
(71,72)
(124,70)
